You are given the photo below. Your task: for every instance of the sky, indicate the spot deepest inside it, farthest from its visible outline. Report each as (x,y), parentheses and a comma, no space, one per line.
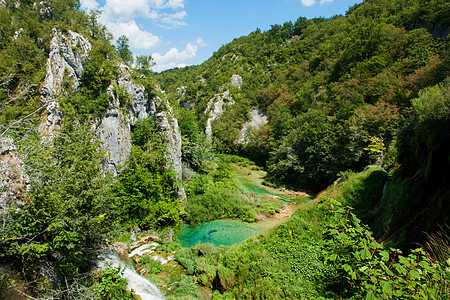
(178,33)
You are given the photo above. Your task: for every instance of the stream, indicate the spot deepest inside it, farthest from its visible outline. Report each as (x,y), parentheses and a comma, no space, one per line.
(218,232)
(140,285)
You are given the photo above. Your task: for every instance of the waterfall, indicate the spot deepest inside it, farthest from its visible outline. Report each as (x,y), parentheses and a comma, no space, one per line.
(385,185)
(140,285)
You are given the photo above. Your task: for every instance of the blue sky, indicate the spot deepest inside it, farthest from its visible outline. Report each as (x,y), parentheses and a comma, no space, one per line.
(186,32)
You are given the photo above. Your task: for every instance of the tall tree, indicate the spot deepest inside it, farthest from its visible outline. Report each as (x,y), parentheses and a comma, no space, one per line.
(123,49)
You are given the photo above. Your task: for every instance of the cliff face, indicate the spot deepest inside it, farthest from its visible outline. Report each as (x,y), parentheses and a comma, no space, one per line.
(63,72)
(114,129)
(127,103)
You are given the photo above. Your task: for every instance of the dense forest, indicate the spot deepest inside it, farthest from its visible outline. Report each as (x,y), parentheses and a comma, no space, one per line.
(357,111)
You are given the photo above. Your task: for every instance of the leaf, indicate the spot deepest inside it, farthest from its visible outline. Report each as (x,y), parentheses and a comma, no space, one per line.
(400,269)
(414,275)
(384,255)
(332,257)
(386,287)
(371,296)
(365,254)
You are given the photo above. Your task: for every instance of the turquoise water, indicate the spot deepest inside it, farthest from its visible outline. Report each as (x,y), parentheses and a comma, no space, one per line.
(218,232)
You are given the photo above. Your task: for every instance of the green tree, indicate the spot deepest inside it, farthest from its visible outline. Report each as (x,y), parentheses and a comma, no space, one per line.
(144,64)
(146,187)
(123,49)
(55,234)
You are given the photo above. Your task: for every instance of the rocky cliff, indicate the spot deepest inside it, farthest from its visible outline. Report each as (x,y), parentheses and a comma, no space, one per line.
(127,103)
(218,103)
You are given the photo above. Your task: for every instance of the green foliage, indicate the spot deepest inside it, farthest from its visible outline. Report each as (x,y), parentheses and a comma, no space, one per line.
(146,186)
(99,70)
(185,289)
(364,269)
(218,194)
(110,285)
(123,50)
(147,262)
(363,191)
(327,85)
(69,208)
(323,251)
(144,64)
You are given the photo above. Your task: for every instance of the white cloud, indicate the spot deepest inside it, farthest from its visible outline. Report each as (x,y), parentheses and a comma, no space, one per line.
(175,4)
(201,43)
(153,9)
(174,58)
(308,2)
(139,39)
(88,5)
(313,2)
(119,17)
(174,20)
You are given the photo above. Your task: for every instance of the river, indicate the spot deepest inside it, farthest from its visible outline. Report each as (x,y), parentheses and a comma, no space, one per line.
(139,284)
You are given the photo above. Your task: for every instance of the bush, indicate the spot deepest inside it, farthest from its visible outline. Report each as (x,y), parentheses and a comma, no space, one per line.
(109,285)
(147,262)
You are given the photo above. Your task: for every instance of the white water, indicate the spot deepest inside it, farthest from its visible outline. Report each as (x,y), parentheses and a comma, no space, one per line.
(144,249)
(140,285)
(149,249)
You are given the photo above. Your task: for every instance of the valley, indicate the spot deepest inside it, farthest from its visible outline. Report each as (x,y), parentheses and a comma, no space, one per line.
(306,161)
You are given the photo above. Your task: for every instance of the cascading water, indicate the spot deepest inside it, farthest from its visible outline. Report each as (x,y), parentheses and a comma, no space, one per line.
(140,285)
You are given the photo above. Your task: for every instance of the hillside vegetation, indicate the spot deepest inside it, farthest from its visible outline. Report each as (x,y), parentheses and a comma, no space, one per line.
(339,93)
(358,113)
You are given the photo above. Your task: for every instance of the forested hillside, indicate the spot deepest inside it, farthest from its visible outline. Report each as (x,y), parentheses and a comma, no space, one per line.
(88,151)
(98,153)
(339,94)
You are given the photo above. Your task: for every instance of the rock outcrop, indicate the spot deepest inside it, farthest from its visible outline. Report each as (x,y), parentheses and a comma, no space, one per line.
(114,129)
(14,182)
(236,80)
(215,108)
(168,125)
(258,119)
(127,103)
(68,50)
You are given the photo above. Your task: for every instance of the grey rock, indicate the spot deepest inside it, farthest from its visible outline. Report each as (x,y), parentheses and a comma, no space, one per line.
(236,80)
(258,119)
(214,109)
(114,130)
(64,62)
(168,126)
(52,121)
(7,145)
(181,92)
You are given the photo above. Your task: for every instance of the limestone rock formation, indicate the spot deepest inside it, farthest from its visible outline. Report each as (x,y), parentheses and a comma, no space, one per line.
(168,126)
(215,108)
(127,103)
(65,61)
(63,66)
(114,129)
(236,80)
(181,92)
(258,119)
